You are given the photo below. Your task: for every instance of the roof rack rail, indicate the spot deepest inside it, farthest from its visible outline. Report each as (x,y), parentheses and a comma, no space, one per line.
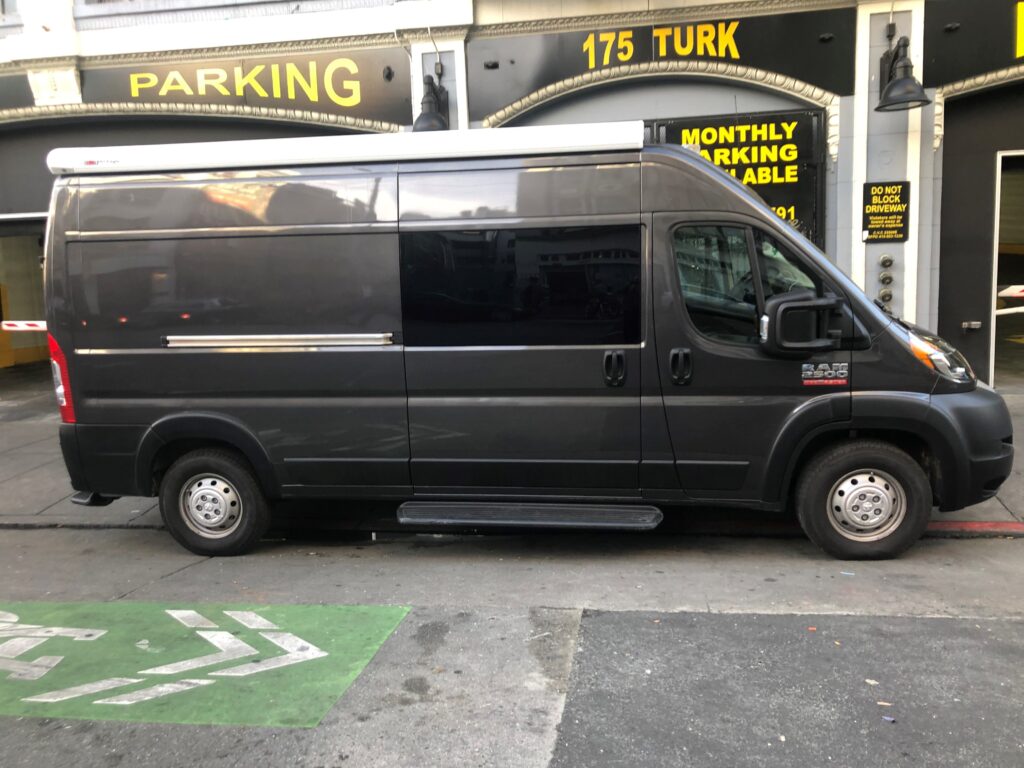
(365,148)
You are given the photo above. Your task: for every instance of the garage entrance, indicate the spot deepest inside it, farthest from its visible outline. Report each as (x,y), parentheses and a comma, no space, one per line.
(1008,322)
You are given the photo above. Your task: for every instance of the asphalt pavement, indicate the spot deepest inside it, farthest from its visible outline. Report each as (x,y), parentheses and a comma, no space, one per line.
(117,647)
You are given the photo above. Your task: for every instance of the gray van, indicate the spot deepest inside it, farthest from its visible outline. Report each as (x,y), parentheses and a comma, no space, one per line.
(555,327)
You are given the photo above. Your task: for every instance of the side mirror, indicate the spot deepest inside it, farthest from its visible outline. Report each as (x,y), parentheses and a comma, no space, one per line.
(795,324)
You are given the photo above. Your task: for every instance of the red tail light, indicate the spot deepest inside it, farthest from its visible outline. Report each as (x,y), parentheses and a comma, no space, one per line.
(61,381)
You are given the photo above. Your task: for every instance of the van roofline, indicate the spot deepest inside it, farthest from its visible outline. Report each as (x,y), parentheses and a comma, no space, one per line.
(365,148)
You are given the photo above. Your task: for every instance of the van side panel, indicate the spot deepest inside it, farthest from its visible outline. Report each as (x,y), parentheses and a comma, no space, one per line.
(519,286)
(158,263)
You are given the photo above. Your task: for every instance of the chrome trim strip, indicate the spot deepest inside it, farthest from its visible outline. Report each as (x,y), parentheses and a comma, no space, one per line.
(280,340)
(525,347)
(33,215)
(228,350)
(268,230)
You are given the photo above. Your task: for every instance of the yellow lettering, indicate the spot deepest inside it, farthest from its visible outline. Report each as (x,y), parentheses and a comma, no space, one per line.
(211,78)
(683,50)
(294,75)
(789,129)
(722,155)
(661,35)
(708,135)
(249,79)
(787,153)
(175,82)
(691,137)
(1020,30)
(139,80)
(727,41)
(706,40)
(275,80)
(352,86)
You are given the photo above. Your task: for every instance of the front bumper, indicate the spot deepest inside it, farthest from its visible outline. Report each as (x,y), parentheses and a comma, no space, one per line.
(979,431)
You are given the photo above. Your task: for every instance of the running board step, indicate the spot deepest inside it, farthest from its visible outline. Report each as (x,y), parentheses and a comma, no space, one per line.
(477,514)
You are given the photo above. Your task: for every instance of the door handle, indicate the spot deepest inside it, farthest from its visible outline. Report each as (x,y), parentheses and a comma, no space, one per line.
(680,363)
(615,368)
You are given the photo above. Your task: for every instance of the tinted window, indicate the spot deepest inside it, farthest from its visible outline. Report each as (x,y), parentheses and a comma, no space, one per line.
(130,293)
(513,287)
(713,266)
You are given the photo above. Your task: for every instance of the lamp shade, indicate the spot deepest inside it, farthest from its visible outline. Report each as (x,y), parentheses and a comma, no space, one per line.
(903,91)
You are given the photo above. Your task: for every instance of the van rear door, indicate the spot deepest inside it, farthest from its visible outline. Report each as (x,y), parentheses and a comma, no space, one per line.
(731,407)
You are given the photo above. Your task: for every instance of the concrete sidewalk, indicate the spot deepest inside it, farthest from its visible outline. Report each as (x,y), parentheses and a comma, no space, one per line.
(35,492)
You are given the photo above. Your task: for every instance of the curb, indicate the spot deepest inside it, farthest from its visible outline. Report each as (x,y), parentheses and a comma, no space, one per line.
(974,529)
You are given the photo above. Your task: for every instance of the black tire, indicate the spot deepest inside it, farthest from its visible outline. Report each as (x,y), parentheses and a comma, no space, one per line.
(219,483)
(834,527)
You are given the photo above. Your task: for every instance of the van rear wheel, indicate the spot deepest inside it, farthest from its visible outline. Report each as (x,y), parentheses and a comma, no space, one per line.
(212,504)
(863,500)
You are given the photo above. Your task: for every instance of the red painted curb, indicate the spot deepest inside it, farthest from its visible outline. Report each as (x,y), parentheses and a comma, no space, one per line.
(990,527)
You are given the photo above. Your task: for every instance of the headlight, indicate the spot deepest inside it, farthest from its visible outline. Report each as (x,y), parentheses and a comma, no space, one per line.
(942,358)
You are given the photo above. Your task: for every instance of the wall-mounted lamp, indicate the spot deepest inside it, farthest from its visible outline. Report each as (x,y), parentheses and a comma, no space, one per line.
(434,106)
(899,88)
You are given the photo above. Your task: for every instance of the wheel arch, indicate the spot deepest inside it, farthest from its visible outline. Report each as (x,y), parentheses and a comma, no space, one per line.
(903,419)
(173,436)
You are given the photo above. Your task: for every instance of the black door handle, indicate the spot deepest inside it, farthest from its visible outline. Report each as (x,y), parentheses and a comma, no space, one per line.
(615,368)
(680,363)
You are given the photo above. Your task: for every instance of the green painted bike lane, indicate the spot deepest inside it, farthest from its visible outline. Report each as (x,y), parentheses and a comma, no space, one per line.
(190,663)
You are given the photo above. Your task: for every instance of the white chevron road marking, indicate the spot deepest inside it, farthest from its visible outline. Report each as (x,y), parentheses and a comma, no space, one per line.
(192,619)
(83,690)
(230,648)
(251,620)
(156,692)
(298,651)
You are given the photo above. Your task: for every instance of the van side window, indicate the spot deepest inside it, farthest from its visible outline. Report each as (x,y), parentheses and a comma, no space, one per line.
(780,270)
(713,266)
(521,287)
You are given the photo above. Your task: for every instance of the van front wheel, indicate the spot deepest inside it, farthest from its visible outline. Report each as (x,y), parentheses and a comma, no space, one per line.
(212,504)
(863,500)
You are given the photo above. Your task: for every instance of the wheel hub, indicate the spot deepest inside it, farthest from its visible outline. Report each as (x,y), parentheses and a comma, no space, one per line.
(866,505)
(210,505)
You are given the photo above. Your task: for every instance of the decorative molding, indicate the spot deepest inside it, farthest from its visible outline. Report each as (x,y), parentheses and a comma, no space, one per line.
(439,33)
(109,109)
(939,124)
(966,87)
(361,42)
(706,12)
(983,81)
(773,81)
(832,125)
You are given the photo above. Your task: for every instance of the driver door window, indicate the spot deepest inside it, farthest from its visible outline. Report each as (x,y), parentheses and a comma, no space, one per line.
(780,271)
(713,267)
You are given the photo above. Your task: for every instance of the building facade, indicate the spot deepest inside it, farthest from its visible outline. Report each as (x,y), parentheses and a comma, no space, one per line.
(921,207)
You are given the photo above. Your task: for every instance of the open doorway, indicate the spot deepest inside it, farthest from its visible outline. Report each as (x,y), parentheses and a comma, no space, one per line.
(1008,338)
(21,289)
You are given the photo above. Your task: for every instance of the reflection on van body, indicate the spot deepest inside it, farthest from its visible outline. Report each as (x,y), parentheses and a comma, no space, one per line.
(496,334)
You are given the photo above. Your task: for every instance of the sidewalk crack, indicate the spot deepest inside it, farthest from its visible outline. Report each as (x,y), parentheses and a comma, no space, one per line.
(51,506)
(1013,514)
(159,579)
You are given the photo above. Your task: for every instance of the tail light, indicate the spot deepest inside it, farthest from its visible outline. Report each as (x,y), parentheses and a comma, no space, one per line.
(61,381)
